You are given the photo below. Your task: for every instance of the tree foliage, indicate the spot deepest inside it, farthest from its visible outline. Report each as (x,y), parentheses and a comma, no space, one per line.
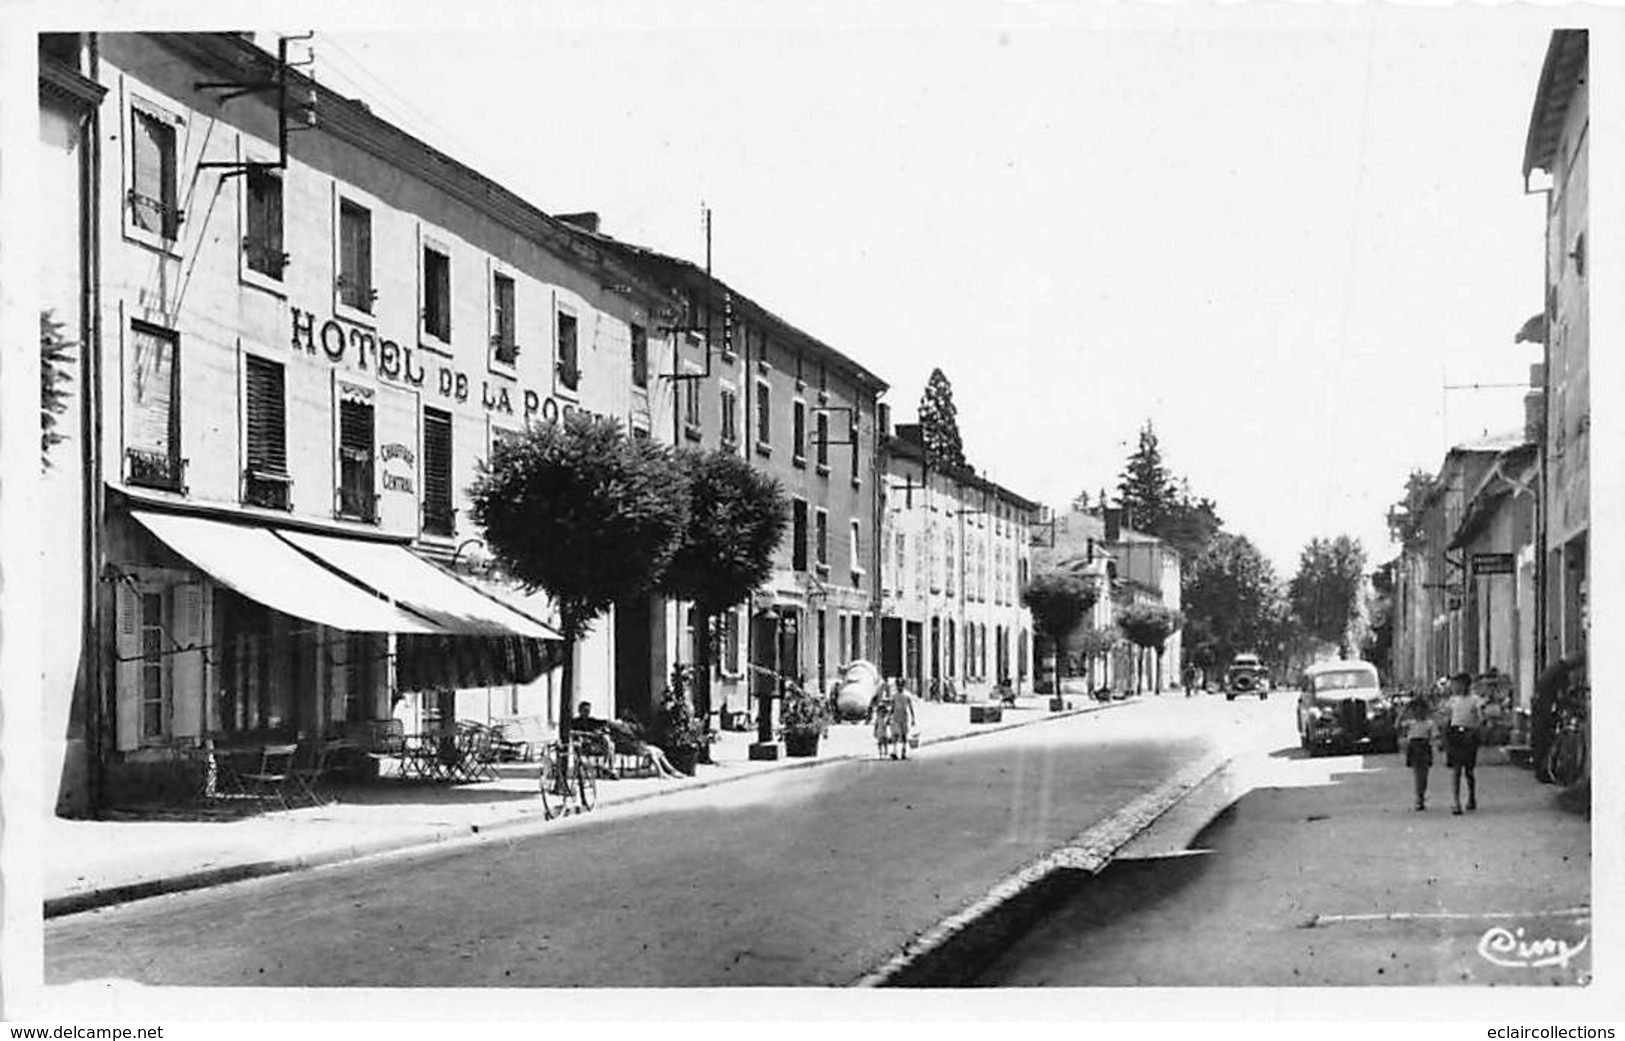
(1145,490)
(1233,602)
(1058,600)
(939,422)
(578,509)
(736,519)
(1327,592)
(1405,518)
(1148,625)
(55,356)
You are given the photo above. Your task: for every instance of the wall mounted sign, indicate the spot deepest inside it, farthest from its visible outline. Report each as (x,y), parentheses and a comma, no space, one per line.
(1492,564)
(340,342)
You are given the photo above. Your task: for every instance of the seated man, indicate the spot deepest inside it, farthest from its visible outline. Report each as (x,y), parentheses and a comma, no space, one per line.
(594,739)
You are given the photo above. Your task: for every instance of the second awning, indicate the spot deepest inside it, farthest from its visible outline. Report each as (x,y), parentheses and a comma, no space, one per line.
(398,574)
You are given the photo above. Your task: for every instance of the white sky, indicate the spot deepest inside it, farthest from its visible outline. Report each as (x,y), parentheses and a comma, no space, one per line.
(1273,234)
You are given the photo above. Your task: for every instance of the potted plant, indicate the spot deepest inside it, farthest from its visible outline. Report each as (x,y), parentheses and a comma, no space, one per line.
(803,719)
(680,734)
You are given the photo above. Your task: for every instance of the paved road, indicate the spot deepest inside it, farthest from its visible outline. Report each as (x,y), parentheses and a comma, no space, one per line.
(807,877)
(1395,896)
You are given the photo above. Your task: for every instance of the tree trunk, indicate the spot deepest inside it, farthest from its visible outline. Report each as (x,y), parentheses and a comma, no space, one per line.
(567,680)
(702,675)
(1159,670)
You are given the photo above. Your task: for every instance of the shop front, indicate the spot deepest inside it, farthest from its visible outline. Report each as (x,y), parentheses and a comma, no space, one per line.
(231,631)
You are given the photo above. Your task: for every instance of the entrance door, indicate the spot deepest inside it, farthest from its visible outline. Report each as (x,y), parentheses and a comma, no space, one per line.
(634,679)
(891,647)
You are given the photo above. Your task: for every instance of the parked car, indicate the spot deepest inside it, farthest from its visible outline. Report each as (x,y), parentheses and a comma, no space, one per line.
(855,687)
(1342,707)
(1246,675)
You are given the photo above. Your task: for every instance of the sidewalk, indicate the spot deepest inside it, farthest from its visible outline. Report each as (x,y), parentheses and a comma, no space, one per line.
(91,864)
(1320,873)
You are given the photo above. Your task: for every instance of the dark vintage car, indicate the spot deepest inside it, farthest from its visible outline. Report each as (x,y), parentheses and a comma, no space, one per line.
(1343,707)
(1246,675)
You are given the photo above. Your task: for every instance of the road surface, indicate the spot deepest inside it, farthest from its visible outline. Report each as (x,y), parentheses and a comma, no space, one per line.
(798,878)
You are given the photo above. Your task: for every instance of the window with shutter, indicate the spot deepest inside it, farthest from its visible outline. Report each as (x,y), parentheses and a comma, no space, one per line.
(502,301)
(798,433)
(438,517)
(569,363)
(821,531)
(640,356)
(262,241)
(764,415)
(152,174)
(436,294)
(730,419)
(265,482)
(355,256)
(821,434)
(152,408)
(153,688)
(357,498)
(798,535)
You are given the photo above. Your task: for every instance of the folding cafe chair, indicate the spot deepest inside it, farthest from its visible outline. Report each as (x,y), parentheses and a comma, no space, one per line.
(275,775)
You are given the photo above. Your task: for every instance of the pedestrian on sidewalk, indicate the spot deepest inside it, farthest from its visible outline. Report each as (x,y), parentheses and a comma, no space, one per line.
(1464,715)
(1419,732)
(880,718)
(902,720)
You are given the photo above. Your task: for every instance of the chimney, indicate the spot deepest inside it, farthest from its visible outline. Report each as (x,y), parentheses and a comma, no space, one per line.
(1533,415)
(883,419)
(587,220)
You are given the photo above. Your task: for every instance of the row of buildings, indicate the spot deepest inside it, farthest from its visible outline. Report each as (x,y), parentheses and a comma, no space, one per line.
(1494,571)
(295,332)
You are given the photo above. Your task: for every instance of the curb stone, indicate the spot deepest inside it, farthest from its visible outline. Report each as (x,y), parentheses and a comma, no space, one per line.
(126,892)
(951,952)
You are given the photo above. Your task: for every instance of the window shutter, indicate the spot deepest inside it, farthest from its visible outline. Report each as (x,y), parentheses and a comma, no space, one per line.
(437,469)
(266,410)
(273,222)
(127,693)
(151,391)
(363,259)
(189,662)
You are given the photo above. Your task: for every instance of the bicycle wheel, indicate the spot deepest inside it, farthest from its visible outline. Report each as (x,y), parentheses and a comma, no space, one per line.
(586,786)
(554,791)
(1564,760)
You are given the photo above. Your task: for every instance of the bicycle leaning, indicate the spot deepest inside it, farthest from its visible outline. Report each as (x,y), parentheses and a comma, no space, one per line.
(1569,759)
(568,785)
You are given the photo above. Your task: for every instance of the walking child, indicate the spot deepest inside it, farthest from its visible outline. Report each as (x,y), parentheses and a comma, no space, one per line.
(1419,732)
(1464,715)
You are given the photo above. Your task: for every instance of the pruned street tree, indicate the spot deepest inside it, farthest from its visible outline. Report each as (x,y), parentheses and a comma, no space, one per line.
(939,422)
(736,519)
(576,508)
(1148,626)
(1095,642)
(1058,600)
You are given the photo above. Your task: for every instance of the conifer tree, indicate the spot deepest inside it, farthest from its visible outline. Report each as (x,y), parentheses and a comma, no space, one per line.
(1145,490)
(939,422)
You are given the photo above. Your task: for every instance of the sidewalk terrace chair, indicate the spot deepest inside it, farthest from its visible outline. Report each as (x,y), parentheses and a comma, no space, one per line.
(275,775)
(485,756)
(520,738)
(317,767)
